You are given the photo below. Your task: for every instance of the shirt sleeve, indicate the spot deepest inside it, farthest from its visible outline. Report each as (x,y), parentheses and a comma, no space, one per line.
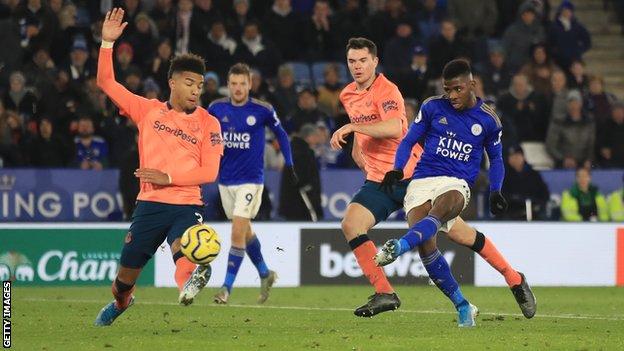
(415,132)
(494,149)
(129,104)
(390,104)
(282,138)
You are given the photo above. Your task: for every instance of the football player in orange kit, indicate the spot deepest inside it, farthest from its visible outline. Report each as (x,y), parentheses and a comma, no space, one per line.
(179,149)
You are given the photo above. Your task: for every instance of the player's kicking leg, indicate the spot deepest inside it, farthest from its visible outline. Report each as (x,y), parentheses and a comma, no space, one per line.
(465,235)
(446,207)
(356,223)
(122,288)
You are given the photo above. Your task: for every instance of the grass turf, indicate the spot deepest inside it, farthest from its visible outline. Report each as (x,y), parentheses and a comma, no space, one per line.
(318,318)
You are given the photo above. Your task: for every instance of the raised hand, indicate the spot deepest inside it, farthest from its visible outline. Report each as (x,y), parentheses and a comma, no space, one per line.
(113,27)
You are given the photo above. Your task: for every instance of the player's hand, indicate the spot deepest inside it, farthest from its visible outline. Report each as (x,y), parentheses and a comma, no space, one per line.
(113,27)
(154,176)
(293,176)
(338,138)
(390,179)
(498,204)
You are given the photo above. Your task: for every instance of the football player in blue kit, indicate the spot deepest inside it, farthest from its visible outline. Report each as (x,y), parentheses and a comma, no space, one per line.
(456,128)
(241,177)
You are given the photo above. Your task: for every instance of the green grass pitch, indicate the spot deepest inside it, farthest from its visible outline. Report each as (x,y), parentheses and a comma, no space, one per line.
(318,318)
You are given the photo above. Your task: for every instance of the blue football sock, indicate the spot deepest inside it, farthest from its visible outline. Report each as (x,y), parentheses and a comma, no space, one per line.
(440,272)
(254,253)
(235,259)
(419,233)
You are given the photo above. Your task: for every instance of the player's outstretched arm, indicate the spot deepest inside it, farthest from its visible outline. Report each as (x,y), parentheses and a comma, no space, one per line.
(494,149)
(390,128)
(112,29)
(414,133)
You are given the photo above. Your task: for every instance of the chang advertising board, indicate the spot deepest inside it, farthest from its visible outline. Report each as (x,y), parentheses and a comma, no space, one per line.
(63,256)
(327,259)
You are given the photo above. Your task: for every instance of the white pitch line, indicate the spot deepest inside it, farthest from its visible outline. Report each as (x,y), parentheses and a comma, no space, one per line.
(339,309)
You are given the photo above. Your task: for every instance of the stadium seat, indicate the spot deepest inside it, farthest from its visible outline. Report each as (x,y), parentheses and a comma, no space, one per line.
(319,67)
(536,155)
(302,73)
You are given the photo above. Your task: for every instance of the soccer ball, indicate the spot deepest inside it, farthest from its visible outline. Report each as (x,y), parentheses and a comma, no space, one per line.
(200,244)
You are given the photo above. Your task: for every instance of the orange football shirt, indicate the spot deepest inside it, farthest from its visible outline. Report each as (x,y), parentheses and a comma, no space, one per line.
(169,141)
(380,102)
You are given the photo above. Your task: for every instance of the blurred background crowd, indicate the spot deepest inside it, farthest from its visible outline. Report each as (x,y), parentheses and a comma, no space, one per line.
(528,57)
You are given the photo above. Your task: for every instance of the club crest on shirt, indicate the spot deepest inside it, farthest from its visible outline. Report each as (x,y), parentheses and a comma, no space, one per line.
(476,129)
(251,120)
(215,138)
(193,126)
(390,105)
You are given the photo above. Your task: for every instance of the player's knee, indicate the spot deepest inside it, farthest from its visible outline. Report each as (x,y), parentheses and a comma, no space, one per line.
(350,228)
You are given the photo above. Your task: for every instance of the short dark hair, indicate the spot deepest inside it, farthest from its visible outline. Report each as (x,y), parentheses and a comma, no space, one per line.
(456,68)
(187,63)
(240,68)
(362,43)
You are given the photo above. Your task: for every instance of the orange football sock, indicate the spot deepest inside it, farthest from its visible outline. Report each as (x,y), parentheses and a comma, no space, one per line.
(376,275)
(122,299)
(491,254)
(184,269)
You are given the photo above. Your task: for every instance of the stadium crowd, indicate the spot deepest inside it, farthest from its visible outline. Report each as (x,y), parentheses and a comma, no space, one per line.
(529,60)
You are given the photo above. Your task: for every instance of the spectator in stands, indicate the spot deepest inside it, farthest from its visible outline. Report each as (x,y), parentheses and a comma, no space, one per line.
(524,32)
(571,142)
(183,27)
(523,183)
(329,91)
(319,33)
(219,49)
(577,79)
(598,102)
(258,52)
(211,89)
(125,55)
(475,19)
(306,112)
(164,16)
(236,22)
(20,99)
(495,73)
(428,19)
(12,53)
(151,90)
(611,140)
(38,25)
(445,47)
(415,82)
(204,14)
(285,93)
(350,22)
(62,103)
(583,201)
(291,205)
(539,69)
(39,72)
(383,24)
(283,26)
(568,37)
(558,96)
(79,68)
(13,138)
(48,149)
(144,40)
(398,52)
(526,108)
(259,87)
(615,202)
(273,158)
(91,150)
(133,80)
(160,65)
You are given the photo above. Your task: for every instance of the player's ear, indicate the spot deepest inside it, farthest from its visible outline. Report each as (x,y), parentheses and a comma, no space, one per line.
(171,83)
